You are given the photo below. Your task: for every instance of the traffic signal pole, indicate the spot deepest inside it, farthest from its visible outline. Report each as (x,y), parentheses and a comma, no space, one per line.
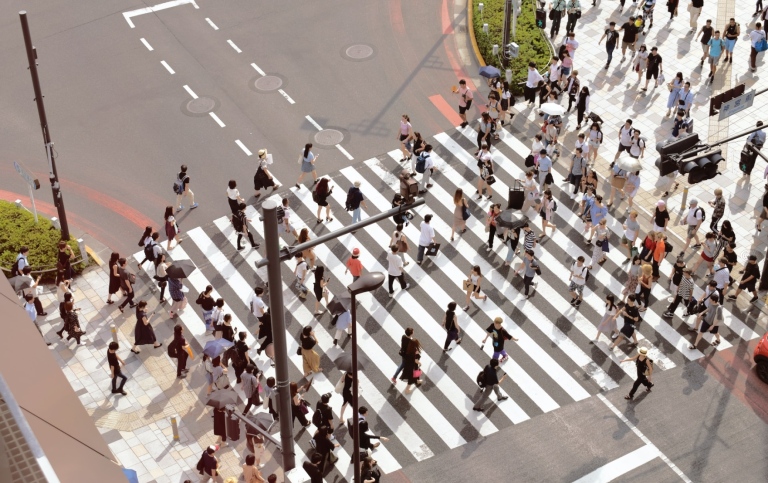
(58,198)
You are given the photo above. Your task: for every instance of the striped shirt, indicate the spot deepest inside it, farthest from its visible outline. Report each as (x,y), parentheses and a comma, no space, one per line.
(530,240)
(685,289)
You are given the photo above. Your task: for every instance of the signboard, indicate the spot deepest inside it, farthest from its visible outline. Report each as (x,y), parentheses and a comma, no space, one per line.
(28,177)
(737,104)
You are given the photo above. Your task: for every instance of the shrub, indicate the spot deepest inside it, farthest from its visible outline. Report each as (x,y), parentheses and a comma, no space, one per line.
(18,228)
(533,45)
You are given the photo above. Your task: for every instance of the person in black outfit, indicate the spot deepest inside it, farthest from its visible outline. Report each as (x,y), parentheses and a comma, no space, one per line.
(227,331)
(451,326)
(346,394)
(366,438)
(72,323)
(115,362)
(251,387)
(556,12)
(644,372)
(326,413)
(404,342)
(324,446)
(220,425)
(242,351)
(240,222)
(751,274)
(181,352)
(63,313)
(208,464)
(491,382)
(265,332)
(312,468)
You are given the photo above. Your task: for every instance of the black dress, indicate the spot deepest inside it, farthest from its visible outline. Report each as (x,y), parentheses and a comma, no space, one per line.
(144,334)
(346,393)
(409,365)
(114,282)
(220,423)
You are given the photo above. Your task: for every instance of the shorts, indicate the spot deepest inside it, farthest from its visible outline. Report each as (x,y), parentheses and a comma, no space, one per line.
(713,59)
(625,44)
(705,48)
(575,287)
(730,44)
(705,328)
(593,145)
(652,73)
(403,137)
(464,109)
(627,241)
(692,231)
(706,258)
(623,147)
(565,71)
(748,286)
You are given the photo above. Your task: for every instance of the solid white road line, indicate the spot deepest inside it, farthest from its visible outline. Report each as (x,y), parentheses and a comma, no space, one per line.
(190,91)
(312,121)
(168,67)
(287,97)
(237,49)
(257,69)
(210,22)
(242,146)
(156,8)
(344,152)
(643,438)
(146,44)
(621,466)
(216,118)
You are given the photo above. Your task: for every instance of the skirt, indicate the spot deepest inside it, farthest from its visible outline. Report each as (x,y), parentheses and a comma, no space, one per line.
(307,167)
(311,360)
(608,324)
(632,283)
(114,285)
(628,330)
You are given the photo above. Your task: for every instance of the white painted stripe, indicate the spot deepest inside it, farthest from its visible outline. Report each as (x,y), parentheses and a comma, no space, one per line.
(475,331)
(645,440)
(287,97)
(344,152)
(216,118)
(312,121)
(242,146)
(156,8)
(373,398)
(167,67)
(432,370)
(210,22)
(194,4)
(190,91)
(257,69)
(146,44)
(621,466)
(237,49)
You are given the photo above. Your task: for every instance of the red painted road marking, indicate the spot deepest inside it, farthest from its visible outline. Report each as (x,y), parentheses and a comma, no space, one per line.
(445,109)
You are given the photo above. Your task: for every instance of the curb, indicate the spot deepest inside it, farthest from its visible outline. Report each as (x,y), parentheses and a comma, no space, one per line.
(94,256)
(471,29)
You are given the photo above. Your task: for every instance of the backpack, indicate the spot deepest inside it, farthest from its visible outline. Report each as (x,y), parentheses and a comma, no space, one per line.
(351,196)
(149,251)
(178,185)
(222,382)
(703,214)
(280,214)
(554,205)
(173,350)
(687,125)
(237,222)
(421,163)
(15,268)
(481,379)
(317,417)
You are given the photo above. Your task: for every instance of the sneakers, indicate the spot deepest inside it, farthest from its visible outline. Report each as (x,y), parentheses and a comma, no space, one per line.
(696,246)
(407,286)
(503,398)
(194,205)
(181,207)
(731,297)
(668,314)
(753,300)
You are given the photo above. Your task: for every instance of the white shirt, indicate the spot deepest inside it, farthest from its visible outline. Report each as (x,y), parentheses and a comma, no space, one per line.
(554,72)
(428,163)
(626,137)
(694,216)
(722,277)
(286,215)
(756,36)
(233,194)
(533,78)
(395,266)
(637,147)
(427,234)
(259,307)
(584,147)
(301,270)
(571,45)
(31,311)
(579,274)
(537,146)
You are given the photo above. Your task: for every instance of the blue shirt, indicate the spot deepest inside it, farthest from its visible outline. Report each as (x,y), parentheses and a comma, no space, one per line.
(545,164)
(715,47)
(598,213)
(31,311)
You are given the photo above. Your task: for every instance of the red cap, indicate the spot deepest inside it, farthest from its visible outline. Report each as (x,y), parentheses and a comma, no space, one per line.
(356,252)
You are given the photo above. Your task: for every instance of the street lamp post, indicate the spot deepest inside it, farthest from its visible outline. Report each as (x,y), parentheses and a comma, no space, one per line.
(366,283)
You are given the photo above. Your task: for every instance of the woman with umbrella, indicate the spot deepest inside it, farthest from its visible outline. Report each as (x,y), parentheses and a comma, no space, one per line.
(309,357)
(144,333)
(411,365)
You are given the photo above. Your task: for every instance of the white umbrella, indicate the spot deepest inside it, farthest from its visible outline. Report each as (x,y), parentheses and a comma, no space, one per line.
(628,163)
(552,109)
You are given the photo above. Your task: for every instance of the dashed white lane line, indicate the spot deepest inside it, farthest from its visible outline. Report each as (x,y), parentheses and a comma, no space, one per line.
(237,49)
(191,92)
(256,67)
(287,97)
(218,121)
(210,22)
(645,440)
(165,64)
(344,152)
(146,44)
(312,121)
(242,146)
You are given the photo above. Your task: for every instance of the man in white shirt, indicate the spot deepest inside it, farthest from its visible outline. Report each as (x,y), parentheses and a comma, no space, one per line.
(722,276)
(582,143)
(625,138)
(29,307)
(755,36)
(532,83)
(287,227)
(395,271)
(301,272)
(426,237)
(429,164)
(757,138)
(637,148)
(577,279)
(258,307)
(693,220)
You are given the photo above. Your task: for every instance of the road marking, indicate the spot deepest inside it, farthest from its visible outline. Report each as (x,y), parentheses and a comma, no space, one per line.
(258,69)
(191,92)
(643,438)
(621,466)
(312,121)
(210,22)
(156,8)
(242,146)
(146,44)
(445,109)
(344,152)
(287,97)
(234,47)
(218,121)
(165,64)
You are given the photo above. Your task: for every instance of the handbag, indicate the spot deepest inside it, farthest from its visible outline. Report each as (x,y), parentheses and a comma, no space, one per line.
(548,179)
(529,161)
(416,373)
(304,407)
(402,245)
(761,45)
(298,351)
(599,243)
(467,285)
(578,14)
(618,182)
(490,180)
(465,213)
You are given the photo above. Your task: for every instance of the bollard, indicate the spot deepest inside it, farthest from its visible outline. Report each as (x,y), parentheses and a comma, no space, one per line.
(55,223)
(114,332)
(175,427)
(685,199)
(18,204)
(83,252)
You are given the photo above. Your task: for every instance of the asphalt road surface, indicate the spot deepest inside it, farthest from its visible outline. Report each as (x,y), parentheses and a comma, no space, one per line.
(122,123)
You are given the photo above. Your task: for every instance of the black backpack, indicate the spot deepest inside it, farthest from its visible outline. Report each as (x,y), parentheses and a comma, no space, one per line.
(173,350)
(15,268)
(149,251)
(481,379)
(351,196)
(421,162)
(703,214)
(237,222)
(280,214)
(317,417)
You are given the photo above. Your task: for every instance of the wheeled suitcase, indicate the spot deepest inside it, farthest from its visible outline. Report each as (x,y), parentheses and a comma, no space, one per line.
(516,196)
(409,187)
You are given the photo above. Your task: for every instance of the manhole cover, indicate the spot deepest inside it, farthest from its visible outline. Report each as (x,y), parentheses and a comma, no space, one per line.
(329,137)
(359,51)
(268,83)
(201,105)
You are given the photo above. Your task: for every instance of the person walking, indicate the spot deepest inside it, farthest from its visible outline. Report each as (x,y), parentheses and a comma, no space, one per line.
(660,218)
(206,302)
(472,286)
(625,139)
(710,319)
(460,213)
(707,253)
(405,340)
(399,240)
(115,362)
(694,220)
(319,288)
(395,271)
(611,37)
(530,267)
(114,276)
(426,238)
(355,200)
(732,31)
(176,291)
(412,365)
(631,230)
(705,33)
(654,68)
(749,278)
(239,356)
(573,8)
(597,212)
(644,367)
(313,468)
(181,187)
(307,161)
(182,350)
(171,228)
(220,426)
(582,108)
(465,101)
(485,163)
(309,253)
(756,36)
(145,239)
(640,62)
(718,205)
(572,87)
(301,272)
(548,207)
(127,279)
(354,265)
(425,166)
(594,141)
(263,179)
(674,86)
(451,326)
(71,323)
(250,386)
(405,135)
(208,465)
(298,405)
(578,170)
(251,473)
(240,223)
(484,136)
(631,316)
(310,358)
(532,82)
(20,262)
(345,383)
(491,382)
(683,293)
(557,9)
(490,224)
(576,281)
(629,37)
(161,275)
(320,195)
(233,196)
(694,10)
(608,324)
(498,335)
(143,333)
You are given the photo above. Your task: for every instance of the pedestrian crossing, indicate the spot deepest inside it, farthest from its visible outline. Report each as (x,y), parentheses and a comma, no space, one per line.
(552,364)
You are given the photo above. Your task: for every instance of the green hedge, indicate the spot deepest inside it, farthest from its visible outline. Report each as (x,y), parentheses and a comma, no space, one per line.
(533,46)
(18,228)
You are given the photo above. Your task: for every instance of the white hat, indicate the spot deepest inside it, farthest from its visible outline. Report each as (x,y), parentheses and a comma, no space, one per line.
(694,201)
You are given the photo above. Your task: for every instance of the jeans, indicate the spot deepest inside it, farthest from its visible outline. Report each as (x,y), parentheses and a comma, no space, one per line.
(207,318)
(491,235)
(119,374)
(527,281)
(356,215)
(609,51)
(399,369)
(420,254)
(486,393)
(400,278)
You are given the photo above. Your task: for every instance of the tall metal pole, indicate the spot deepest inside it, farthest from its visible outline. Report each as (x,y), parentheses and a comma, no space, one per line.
(58,198)
(355,402)
(505,33)
(277,313)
